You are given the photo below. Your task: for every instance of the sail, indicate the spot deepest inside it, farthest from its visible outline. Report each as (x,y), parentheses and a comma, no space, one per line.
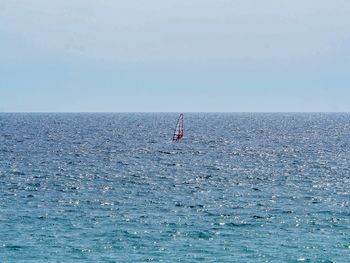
(179,129)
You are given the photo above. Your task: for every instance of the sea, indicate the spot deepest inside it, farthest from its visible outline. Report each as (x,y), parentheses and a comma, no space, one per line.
(113,187)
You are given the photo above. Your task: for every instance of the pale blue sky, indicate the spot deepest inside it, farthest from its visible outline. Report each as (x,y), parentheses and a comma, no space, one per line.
(174,55)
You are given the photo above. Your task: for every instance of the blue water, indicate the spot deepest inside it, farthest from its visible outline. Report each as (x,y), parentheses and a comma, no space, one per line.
(113,188)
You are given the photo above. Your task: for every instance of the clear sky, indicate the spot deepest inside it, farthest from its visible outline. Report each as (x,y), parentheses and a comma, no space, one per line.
(174,55)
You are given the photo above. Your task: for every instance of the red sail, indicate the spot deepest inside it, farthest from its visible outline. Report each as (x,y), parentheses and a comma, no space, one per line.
(179,129)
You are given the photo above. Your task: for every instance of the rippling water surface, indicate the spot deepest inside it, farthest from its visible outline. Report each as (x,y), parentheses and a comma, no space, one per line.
(113,188)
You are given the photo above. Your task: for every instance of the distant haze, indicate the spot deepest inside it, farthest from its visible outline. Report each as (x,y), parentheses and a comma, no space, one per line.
(174,55)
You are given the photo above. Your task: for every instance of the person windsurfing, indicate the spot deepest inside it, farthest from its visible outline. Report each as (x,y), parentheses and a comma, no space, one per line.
(179,129)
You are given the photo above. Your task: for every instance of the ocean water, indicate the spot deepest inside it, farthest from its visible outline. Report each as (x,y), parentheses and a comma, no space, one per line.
(243,187)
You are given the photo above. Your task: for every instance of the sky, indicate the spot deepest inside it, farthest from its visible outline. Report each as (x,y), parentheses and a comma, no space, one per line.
(174,56)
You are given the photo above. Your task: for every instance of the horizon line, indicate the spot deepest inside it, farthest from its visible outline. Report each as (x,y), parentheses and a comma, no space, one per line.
(130,112)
